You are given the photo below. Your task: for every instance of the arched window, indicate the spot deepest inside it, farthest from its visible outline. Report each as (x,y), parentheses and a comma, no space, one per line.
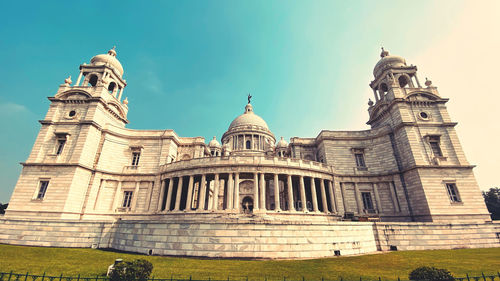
(383,87)
(248,144)
(93,80)
(403,81)
(111,87)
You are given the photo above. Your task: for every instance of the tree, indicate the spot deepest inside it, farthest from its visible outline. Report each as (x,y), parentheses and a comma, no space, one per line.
(492,200)
(430,274)
(135,270)
(3,207)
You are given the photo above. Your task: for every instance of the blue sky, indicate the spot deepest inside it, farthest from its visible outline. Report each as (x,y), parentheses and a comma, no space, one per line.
(190,64)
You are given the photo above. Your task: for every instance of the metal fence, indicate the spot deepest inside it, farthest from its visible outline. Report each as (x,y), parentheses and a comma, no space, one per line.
(10,276)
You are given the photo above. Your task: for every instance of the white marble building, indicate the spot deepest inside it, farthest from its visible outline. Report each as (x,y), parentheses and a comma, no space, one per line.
(406,183)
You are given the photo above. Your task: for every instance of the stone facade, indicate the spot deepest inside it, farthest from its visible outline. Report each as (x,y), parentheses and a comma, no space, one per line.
(91,182)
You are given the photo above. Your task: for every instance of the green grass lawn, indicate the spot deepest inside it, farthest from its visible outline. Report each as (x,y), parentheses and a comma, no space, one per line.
(90,262)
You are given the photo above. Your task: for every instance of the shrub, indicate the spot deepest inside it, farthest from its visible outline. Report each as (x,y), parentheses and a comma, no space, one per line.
(430,274)
(135,270)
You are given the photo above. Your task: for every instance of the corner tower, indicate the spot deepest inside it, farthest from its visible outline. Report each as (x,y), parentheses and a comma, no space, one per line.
(68,146)
(437,179)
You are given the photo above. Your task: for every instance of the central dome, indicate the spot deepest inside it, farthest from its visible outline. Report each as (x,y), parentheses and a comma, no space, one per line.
(248,134)
(248,118)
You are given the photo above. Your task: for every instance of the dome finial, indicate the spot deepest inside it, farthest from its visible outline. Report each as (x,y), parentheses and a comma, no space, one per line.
(68,81)
(112,52)
(384,53)
(428,82)
(249,98)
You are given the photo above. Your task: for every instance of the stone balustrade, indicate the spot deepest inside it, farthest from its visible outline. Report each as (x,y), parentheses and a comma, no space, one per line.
(241,162)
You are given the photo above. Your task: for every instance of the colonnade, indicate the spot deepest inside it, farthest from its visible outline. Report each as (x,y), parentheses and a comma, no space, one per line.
(261,192)
(117,91)
(256,141)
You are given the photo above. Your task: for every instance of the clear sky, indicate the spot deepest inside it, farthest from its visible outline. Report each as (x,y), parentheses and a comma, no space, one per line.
(190,64)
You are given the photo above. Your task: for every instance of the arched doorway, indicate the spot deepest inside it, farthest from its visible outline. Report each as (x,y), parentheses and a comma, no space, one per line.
(247,205)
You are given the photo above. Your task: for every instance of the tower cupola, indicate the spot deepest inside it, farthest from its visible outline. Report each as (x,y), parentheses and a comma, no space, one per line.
(391,74)
(104,74)
(102,82)
(108,59)
(282,148)
(215,147)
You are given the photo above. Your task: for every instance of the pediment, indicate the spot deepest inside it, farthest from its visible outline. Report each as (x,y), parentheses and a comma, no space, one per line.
(116,108)
(74,95)
(422,96)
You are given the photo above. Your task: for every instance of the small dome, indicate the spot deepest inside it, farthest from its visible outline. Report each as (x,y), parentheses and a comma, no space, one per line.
(282,143)
(394,61)
(109,58)
(214,143)
(248,119)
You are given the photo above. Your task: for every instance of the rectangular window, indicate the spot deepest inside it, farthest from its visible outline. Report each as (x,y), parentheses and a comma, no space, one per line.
(42,189)
(60,146)
(434,143)
(135,158)
(127,199)
(453,192)
(360,159)
(367,200)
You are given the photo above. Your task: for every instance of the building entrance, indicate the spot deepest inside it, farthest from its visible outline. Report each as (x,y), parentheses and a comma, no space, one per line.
(247,205)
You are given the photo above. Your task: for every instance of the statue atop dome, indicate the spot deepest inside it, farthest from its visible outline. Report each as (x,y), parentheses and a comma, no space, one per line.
(249,98)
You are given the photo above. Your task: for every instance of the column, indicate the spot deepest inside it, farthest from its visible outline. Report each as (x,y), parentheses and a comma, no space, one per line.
(229,202)
(342,191)
(323,195)
(255,192)
(314,195)
(291,208)
(377,197)
(236,203)
(262,197)
(358,200)
(117,196)
(376,96)
(189,197)
(216,192)
(162,193)
(410,82)
(169,194)
(121,93)
(394,199)
(149,197)
(203,192)
(303,194)
(134,195)
(418,82)
(178,195)
(333,202)
(276,193)
(79,78)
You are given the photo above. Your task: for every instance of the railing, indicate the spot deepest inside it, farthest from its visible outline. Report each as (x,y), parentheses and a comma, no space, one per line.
(10,276)
(246,160)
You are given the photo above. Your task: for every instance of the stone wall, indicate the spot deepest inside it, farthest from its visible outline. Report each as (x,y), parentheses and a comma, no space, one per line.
(55,233)
(247,237)
(431,236)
